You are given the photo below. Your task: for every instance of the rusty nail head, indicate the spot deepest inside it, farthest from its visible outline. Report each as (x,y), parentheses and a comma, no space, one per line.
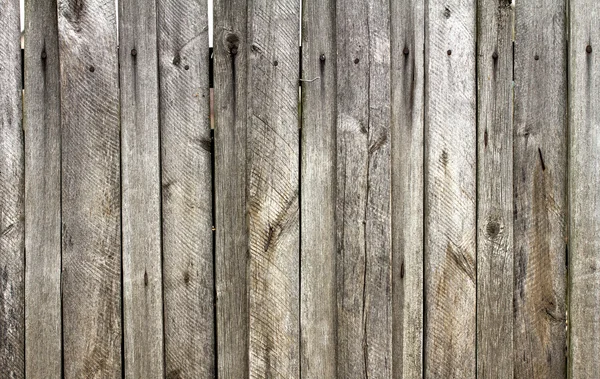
(405,51)
(92,69)
(537,57)
(133,52)
(234,51)
(449,52)
(275,63)
(356,61)
(44,55)
(322,57)
(187,67)
(495,55)
(588,49)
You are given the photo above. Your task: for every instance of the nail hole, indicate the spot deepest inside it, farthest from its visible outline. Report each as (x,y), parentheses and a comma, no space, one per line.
(588,49)
(537,57)
(356,61)
(186,67)
(275,63)
(92,69)
(449,52)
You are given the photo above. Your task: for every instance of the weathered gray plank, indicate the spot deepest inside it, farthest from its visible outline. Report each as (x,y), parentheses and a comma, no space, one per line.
(450,198)
(318,254)
(407,116)
(540,76)
(43,350)
(186,189)
(584,176)
(231,243)
(91,273)
(363,190)
(12,301)
(495,190)
(140,193)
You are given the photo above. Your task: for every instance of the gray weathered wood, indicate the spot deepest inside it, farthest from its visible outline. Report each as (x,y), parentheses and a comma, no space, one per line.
(407,116)
(12,301)
(140,191)
(450,198)
(186,189)
(318,254)
(540,121)
(231,244)
(495,190)
(43,350)
(363,211)
(91,212)
(584,176)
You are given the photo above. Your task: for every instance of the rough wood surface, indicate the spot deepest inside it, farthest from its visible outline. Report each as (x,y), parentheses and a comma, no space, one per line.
(364,271)
(43,325)
(540,125)
(495,190)
(450,199)
(318,247)
(140,191)
(407,116)
(231,243)
(186,189)
(584,176)
(91,196)
(12,300)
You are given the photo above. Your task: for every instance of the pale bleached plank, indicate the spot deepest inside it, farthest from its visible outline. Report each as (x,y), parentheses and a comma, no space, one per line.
(495,190)
(450,198)
(584,200)
(364,237)
(407,116)
(540,125)
(186,189)
(91,196)
(140,191)
(43,327)
(12,299)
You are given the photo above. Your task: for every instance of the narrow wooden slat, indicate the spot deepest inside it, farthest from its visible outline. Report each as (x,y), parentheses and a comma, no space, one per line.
(407,116)
(318,255)
(42,192)
(540,121)
(186,189)
(91,212)
(450,199)
(363,191)
(140,193)
(12,301)
(584,176)
(495,190)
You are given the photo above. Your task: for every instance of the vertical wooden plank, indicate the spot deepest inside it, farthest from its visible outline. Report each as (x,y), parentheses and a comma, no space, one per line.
(540,117)
(318,169)
(43,328)
(407,116)
(230,49)
(91,211)
(12,320)
(495,190)
(364,190)
(450,199)
(186,189)
(140,191)
(584,176)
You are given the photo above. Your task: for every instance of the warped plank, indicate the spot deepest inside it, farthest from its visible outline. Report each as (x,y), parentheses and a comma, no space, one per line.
(43,328)
(495,190)
(407,116)
(12,301)
(91,196)
(364,234)
(584,176)
(450,198)
(186,189)
(140,193)
(540,121)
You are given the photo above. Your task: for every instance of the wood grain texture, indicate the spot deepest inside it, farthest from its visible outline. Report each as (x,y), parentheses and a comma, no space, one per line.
(450,185)
(12,243)
(231,185)
(140,191)
(584,176)
(186,189)
(540,121)
(364,236)
(91,211)
(318,307)
(43,325)
(407,116)
(495,190)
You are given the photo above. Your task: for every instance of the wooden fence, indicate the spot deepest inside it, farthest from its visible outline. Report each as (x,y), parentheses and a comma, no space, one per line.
(415,194)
